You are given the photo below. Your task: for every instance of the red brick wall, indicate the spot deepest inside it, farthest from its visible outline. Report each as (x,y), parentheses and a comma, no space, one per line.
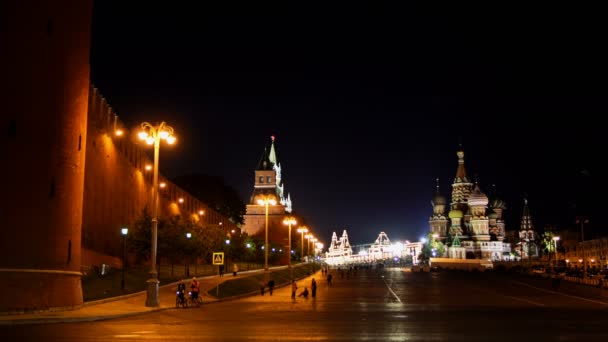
(117,186)
(45,75)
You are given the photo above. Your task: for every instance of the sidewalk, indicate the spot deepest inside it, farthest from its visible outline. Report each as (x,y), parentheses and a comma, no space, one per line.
(123,306)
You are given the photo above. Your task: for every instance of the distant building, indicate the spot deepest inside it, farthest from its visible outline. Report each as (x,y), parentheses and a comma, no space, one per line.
(474,228)
(339,251)
(268,182)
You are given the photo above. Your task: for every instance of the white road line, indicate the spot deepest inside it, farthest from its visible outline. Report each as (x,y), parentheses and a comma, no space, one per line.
(524,300)
(393,292)
(561,294)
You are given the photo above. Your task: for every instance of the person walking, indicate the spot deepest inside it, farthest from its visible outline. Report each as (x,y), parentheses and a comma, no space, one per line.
(261,288)
(235,269)
(270,286)
(313,288)
(329,279)
(294,287)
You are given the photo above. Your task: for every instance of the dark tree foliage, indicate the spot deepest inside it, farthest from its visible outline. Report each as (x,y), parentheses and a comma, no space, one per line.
(213,191)
(140,236)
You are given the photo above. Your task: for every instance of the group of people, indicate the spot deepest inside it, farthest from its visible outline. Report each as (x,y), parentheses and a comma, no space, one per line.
(235,270)
(304,293)
(270,287)
(195,288)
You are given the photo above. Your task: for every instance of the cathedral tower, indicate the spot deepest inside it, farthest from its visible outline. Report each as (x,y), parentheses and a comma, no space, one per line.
(438,221)
(461,189)
(478,203)
(527,235)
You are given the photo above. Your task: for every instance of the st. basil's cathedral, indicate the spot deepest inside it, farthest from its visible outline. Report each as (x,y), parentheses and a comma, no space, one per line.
(474,227)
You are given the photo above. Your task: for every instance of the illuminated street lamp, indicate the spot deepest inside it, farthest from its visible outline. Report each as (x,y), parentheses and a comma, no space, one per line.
(289,221)
(302,230)
(152,135)
(188,236)
(124,232)
(266,201)
(555,239)
(308,237)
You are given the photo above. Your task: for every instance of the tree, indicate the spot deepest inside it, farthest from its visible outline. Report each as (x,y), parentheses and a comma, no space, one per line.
(139,239)
(434,248)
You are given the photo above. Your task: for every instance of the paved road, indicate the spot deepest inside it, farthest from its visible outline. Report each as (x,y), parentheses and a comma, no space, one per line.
(388,305)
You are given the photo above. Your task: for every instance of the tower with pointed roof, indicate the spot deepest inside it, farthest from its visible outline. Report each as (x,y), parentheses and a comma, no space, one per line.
(268,182)
(462,187)
(527,234)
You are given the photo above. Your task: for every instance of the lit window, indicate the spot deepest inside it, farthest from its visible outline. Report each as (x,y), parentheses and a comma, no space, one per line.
(268,179)
(261,179)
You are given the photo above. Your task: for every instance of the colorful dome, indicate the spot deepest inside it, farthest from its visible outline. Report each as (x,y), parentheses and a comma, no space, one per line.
(477,198)
(493,215)
(499,204)
(455,214)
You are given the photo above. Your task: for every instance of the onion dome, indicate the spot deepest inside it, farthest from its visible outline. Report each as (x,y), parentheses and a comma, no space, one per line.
(477,198)
(437,198)
(492,215)
(498,203)
(455,214)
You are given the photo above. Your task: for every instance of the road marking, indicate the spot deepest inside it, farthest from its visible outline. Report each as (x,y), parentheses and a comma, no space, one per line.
(393,292)
(126,336)
(562,294)
(524,300)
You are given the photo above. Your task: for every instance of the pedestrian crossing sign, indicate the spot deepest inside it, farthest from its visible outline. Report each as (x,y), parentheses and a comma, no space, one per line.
(218,258)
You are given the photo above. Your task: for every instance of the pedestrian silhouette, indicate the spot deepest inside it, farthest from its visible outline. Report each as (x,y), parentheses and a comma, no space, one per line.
(294,287)
(304,293)
(313,287)
(270,286)
(329,279)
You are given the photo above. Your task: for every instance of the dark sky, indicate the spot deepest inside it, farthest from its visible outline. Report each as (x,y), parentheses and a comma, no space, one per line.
(369,102)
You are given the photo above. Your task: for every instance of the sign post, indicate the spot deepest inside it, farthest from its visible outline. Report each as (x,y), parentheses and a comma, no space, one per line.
(218,259)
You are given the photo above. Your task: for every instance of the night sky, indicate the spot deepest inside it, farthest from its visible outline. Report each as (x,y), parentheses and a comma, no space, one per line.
(368,103)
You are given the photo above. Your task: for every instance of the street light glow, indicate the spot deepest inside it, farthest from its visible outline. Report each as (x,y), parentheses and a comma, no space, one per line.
(266,201)
(152,135)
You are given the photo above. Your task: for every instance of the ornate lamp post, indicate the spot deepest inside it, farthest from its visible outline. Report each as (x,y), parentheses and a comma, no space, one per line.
(266,201)
(302,230)
(152,135)
(289,221)
(124,232)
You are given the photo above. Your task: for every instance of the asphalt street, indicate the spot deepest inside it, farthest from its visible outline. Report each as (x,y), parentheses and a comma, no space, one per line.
(369,305)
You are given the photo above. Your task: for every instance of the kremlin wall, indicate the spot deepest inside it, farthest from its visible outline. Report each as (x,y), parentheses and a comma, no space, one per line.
(70,184)
(117,187)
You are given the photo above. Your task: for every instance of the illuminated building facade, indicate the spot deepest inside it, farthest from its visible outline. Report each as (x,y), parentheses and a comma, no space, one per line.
(474,227)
